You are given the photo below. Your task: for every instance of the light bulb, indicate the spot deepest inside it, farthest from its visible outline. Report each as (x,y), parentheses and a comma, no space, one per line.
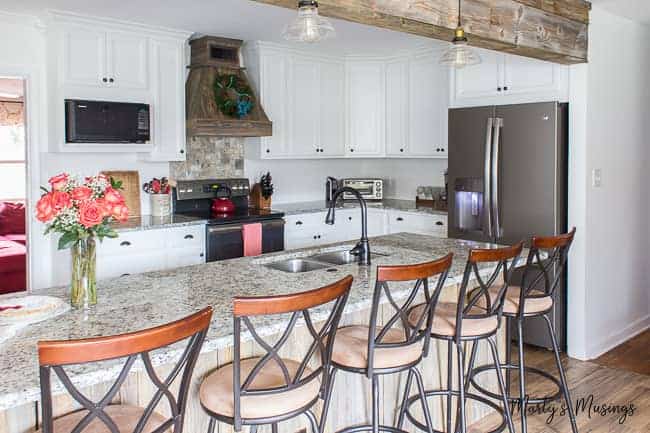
(308,26)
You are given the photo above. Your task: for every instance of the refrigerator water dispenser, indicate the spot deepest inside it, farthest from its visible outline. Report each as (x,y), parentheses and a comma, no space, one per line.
(469,204)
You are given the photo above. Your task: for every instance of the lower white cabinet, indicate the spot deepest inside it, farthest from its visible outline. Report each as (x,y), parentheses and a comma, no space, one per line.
(432,225)
(151,250)
(309,230)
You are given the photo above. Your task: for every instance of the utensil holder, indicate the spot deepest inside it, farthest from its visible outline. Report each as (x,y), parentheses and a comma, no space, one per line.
(160,205)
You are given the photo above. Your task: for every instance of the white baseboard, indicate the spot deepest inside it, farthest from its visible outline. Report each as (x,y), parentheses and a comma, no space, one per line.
(616,338)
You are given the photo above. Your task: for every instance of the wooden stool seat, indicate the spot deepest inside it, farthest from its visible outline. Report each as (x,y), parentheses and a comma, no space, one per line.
(217,392)
(351,349)
(444,320)
(125,417)
(536,301)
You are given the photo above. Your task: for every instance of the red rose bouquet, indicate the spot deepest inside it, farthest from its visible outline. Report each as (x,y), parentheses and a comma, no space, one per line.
(82,211)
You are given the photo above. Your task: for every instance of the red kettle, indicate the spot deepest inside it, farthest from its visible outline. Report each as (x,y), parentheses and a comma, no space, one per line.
(222,204)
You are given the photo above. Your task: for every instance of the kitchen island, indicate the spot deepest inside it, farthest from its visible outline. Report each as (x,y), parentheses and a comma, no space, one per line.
(141,301)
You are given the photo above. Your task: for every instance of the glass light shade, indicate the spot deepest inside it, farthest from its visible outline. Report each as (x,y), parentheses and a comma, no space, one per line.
(460,54)
(308,26)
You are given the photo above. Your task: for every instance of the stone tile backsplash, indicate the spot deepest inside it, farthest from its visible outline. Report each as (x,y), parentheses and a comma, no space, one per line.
(210,157)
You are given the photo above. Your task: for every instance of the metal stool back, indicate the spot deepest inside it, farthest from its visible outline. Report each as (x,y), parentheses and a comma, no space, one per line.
(506,259)
(55,355)
(299,306)
(420,275)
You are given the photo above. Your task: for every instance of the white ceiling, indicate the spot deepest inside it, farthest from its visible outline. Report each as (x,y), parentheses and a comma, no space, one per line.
(637,10)
(241,19)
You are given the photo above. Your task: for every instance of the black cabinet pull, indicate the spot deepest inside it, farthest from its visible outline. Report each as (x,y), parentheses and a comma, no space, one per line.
(125,244)
(189,237)
(315,237)
(298,223)
(505,88)
(110,80)
(201,255)
(318,236)
(498,89)
(439,223)
(400,219)
(124,275)
(104,79)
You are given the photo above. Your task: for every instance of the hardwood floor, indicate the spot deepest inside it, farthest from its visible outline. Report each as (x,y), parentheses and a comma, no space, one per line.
(633,355)
(614,400)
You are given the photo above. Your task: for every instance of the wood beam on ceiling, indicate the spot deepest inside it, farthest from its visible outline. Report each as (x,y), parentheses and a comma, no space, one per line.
(553,30)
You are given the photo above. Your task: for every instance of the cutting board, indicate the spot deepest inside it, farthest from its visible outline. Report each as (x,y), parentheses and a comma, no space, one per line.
(130,189)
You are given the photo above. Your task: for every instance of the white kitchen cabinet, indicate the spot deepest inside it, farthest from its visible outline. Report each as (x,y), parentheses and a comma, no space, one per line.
(331,129)
(410,222)
(274,93)
(150,250)
(104,60)
(83,54)
(127,60)
(304,107)
(397,107)
(306,230)
(168,88)
(428,103)
(508,79)
(366,109)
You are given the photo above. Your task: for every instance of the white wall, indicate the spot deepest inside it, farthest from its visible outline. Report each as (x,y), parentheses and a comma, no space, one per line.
(612,256)
(304,180)
(23,54)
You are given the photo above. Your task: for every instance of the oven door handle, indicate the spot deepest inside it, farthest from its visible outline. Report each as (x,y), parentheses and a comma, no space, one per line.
(228,228)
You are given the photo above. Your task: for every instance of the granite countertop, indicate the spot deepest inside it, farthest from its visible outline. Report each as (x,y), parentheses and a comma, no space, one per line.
(149,222)
(137,302)
(386,204)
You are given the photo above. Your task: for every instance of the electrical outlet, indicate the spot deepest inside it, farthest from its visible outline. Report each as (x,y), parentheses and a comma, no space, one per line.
(597,177)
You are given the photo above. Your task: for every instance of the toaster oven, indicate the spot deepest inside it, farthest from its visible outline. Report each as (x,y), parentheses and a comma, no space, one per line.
(370,189)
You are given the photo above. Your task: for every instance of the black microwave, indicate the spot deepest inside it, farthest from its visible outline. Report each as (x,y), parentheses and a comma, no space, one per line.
(106,122)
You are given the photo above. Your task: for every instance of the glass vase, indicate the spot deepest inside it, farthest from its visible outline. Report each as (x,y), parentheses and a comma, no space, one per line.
(83,288)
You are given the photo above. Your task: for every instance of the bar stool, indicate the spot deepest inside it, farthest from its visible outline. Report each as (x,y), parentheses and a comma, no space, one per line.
(382,350)
(535,301)
(101,416)
(268,389)
(463,322)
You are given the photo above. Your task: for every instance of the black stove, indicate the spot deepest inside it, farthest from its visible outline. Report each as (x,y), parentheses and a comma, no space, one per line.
(224,232)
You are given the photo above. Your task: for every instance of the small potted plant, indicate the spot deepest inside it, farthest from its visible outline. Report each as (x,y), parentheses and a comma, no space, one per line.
(262,192)
(158,190)
(82,211)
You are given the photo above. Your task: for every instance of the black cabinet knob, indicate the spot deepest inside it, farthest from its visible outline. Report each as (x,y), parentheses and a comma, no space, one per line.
(201,255)
(498,89)
(439,223)
(298,223)
(315,237)
(351,150)
(349,218)
(400,219)
(505,88)
(110,80)
(104,79)
(318,236)
(268,150)
(182,151)
(401,150)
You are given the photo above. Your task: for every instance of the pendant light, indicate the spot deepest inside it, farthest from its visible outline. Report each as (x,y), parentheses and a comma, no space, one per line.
(308,26)
(460,54)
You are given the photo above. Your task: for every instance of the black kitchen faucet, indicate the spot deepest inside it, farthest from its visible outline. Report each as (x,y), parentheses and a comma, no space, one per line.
(362,249)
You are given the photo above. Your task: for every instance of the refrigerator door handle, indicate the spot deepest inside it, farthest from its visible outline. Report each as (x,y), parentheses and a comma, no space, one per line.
(496,146)
(487,179)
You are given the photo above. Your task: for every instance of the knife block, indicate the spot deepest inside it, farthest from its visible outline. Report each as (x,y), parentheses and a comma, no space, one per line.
(257,200)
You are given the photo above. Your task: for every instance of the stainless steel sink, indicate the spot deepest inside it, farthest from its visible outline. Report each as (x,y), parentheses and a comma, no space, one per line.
(340,257)
(295,266)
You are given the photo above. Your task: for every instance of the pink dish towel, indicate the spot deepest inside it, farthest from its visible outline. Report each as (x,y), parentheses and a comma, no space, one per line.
(252,234)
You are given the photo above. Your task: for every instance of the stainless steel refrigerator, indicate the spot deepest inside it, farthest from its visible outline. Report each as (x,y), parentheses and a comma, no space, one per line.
(508,181)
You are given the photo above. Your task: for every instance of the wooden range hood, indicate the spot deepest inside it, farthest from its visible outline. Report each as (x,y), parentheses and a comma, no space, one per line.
(212,56)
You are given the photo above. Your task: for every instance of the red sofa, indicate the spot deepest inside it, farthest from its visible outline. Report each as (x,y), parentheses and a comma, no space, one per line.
(13,251)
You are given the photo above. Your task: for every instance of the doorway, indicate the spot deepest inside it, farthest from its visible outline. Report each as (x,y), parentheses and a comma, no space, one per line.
(13,187)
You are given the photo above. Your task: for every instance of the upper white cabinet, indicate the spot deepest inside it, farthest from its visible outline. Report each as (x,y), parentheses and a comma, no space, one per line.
(304,98)
(366,109)
(105,60)
(508,79)
(397,108)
